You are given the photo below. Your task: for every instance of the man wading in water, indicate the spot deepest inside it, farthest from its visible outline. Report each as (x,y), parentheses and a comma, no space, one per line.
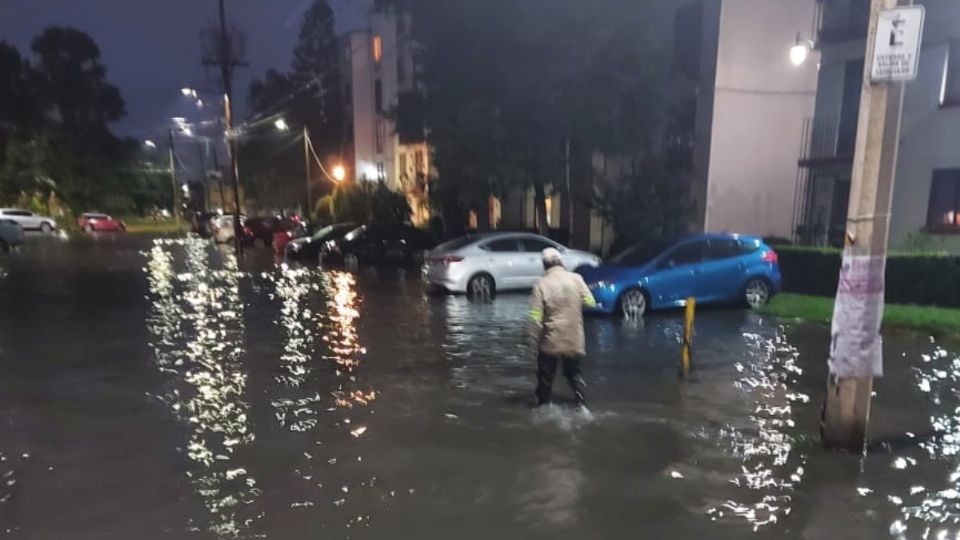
(556,311)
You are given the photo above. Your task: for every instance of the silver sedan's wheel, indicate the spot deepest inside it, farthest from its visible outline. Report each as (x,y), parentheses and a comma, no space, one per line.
(351,261)
(481,287)
(633,304)
(757,293)
(45,228)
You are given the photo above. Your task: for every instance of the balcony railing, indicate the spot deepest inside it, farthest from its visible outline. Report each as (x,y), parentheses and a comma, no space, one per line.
(825,140)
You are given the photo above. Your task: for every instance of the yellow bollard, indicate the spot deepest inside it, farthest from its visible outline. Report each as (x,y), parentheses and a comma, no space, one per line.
(687,350)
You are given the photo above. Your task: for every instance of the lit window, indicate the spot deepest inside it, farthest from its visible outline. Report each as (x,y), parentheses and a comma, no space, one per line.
(377,49)
(943,211)
(950,91)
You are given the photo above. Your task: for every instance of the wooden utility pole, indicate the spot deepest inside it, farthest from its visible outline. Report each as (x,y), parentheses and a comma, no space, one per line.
(306,169)
(216,166)
(226,60)
(173,181)
(859,305)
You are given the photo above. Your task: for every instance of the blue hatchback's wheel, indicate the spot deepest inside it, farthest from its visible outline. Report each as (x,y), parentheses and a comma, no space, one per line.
(633,304)
(757,293)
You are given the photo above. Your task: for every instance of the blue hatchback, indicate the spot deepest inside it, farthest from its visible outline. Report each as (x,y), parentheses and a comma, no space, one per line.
(713,268)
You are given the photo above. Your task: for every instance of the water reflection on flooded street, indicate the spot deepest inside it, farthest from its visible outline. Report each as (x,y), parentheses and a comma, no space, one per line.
(157,389)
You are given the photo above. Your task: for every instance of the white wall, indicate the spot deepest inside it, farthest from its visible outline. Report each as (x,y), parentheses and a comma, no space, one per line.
(361,98)
(761,101)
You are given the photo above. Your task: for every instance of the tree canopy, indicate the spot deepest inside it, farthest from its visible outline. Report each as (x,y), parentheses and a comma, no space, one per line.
(510,83)
(56,109)
(308,94)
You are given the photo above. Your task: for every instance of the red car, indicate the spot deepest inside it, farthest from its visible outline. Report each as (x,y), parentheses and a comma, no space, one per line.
(91,222)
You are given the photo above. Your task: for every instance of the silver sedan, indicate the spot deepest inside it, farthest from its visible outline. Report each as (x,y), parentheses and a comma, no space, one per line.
(486,263)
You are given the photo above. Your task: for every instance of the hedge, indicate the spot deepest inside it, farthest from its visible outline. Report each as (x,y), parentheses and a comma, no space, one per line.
(927,280)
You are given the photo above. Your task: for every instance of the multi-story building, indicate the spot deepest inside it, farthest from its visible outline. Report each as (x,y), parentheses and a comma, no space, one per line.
(385,100)
(926,202)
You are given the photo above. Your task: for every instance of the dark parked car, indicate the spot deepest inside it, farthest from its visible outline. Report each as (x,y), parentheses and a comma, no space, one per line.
(379,244)
(11,234)
(712,268)
(263,228)
(308,248)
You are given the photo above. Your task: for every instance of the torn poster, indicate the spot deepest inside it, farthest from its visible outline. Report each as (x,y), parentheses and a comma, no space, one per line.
(856,348)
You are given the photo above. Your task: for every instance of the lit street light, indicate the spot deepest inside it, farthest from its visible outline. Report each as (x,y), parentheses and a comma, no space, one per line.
(800,51)
(339,173)
(281,125)
(150,144)
(188,92)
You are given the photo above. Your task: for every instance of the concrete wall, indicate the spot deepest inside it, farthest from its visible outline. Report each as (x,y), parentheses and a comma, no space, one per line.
(362,104)
(760,103)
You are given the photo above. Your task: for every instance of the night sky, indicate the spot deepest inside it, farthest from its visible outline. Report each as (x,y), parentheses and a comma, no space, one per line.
(151,48)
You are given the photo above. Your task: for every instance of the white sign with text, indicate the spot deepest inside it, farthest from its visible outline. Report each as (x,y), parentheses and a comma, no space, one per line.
(896,54)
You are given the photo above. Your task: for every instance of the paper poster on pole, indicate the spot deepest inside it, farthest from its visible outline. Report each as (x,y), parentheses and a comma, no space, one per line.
(856,348)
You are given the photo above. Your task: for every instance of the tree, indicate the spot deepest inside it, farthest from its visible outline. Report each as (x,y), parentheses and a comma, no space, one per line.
(72,86)
(308,95)
(367,202)
(510,84)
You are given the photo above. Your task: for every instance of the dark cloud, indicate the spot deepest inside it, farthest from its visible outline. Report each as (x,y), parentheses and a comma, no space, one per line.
(152,48)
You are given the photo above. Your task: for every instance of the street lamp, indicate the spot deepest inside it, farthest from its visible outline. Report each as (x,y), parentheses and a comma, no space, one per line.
(150,144)
(339,173)
(281,125)
(188,92)
(800,51)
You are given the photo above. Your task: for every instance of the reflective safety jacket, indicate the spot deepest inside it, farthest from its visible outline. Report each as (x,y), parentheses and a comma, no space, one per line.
(556,312)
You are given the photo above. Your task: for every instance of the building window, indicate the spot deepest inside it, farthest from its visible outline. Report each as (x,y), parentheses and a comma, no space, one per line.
(943,212)
(378,95)
(381,171)
(419,165)
(950,91)
(403,163)
(377,47)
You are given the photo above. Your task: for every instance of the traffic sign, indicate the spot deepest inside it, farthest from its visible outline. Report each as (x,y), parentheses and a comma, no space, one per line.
(896,54)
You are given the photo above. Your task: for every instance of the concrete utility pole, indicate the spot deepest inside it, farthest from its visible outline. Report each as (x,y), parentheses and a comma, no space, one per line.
(856,353)
(173,181)
(306,165)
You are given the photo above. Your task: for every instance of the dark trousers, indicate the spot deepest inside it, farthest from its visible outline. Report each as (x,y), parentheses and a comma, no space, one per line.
(547,370)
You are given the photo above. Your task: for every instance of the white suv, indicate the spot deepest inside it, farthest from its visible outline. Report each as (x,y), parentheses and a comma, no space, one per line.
(28,220)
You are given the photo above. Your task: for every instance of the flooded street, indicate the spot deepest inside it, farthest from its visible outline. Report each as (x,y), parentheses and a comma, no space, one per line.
(152,389)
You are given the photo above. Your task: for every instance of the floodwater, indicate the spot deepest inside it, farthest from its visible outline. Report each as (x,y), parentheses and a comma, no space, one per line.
(153,389)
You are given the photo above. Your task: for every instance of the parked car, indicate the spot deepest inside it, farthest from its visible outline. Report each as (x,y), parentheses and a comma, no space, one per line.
(379,244)
(224,229)
(486,263)
(28,220)
(11,234)
(263,228)
(92,222)
(203,223)
(308,248)
(712,268)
